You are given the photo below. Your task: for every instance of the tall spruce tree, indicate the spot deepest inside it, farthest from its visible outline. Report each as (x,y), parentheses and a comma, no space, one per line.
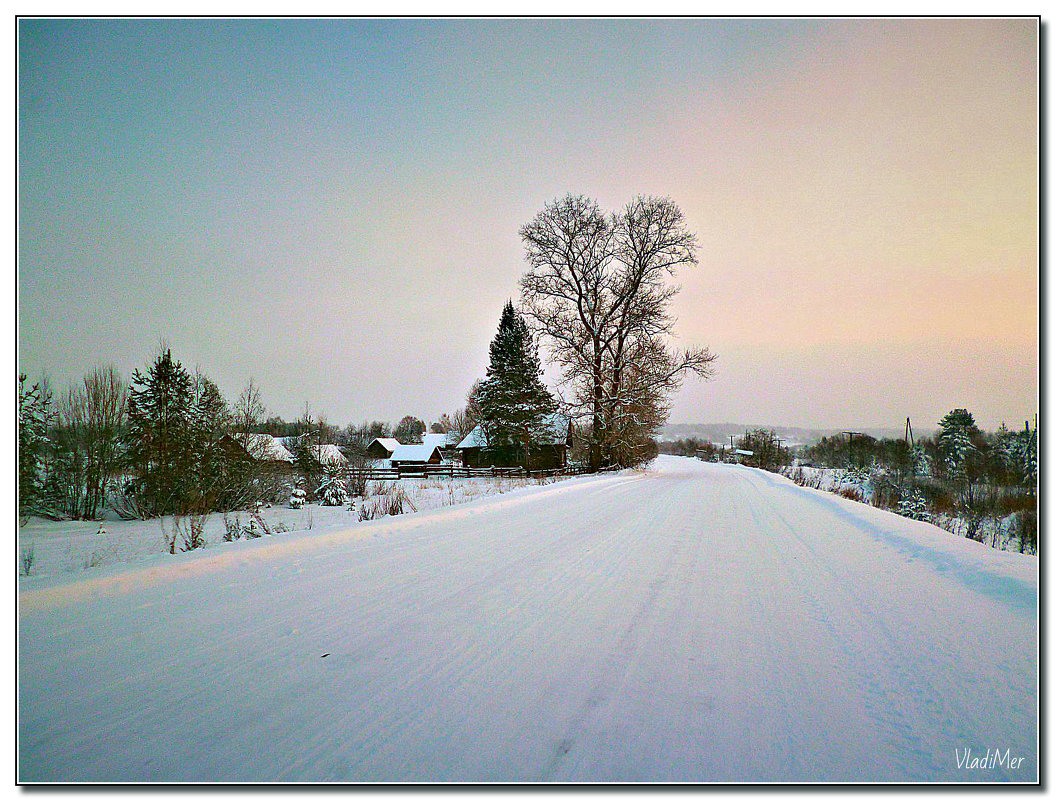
(211,419)
(957,429)
(514,403)
(161,437)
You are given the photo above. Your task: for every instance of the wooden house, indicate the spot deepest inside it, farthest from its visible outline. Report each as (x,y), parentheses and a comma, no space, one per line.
(410,455)
(550,453)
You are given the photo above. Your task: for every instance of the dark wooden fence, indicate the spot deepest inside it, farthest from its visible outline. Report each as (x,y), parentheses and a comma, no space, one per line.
(455,471)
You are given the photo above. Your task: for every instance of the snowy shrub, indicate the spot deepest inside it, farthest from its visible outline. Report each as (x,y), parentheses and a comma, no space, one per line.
(232,529)
(332,492)
(392,502)
(27,556)
(297,497)
(851,493)
(857,476)
(257,521)
(192,533)
(913,505)
(396,500)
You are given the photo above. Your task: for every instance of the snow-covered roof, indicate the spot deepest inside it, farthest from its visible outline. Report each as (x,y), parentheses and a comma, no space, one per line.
(413,453)
(328,454)
(388,443)
(743,452)
(439,440)
(265,447)
(556,425)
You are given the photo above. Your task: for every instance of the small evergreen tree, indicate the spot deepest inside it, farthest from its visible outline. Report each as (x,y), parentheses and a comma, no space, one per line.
(514,403)
(332,490)
(306,452)
(913,505)
(161,441)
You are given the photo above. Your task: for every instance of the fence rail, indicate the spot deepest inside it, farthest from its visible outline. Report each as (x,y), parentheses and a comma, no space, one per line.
(454,471)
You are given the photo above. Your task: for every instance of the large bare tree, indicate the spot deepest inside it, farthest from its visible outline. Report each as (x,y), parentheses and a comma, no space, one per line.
(598,290)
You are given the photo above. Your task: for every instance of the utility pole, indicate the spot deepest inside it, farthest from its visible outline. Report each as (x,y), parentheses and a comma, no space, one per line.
(850,443)
(909,433)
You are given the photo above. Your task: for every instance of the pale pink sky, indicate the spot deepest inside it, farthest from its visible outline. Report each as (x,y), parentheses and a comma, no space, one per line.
(332,207)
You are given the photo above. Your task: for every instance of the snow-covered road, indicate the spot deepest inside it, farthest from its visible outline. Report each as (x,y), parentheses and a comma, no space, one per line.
(693,623)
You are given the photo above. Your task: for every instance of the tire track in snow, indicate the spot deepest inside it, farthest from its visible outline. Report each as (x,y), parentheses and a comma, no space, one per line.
(613,667)
(910,731)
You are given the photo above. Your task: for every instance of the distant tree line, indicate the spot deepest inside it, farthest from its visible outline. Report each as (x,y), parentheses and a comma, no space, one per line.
(168,443)
(962,472)
(762,448)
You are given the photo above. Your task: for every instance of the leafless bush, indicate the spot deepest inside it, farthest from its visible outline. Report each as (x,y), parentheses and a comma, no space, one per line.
(193,536)
(171,535)
(127,505)
(851,493)
(392,502)
(397,499)
(258,519)
(27,556)
(232,528)
(357,483)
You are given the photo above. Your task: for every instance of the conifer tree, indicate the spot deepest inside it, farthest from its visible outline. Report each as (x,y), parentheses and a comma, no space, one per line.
(955,440)
(960,454)
(161,441)
(211,419)
(514,403)
(34,416)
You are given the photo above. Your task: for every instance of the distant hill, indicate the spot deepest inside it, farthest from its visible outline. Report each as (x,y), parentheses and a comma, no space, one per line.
(793,436)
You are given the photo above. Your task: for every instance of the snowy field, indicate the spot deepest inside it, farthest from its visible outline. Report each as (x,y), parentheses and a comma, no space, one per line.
(73,546)
(696,622)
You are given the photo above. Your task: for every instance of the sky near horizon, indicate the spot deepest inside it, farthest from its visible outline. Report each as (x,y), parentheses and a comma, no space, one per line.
(331,207)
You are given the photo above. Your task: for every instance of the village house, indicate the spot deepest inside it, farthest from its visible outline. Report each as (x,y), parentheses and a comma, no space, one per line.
(414,455)
(259,447)
(329,455)
(550,453)
(382,447)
